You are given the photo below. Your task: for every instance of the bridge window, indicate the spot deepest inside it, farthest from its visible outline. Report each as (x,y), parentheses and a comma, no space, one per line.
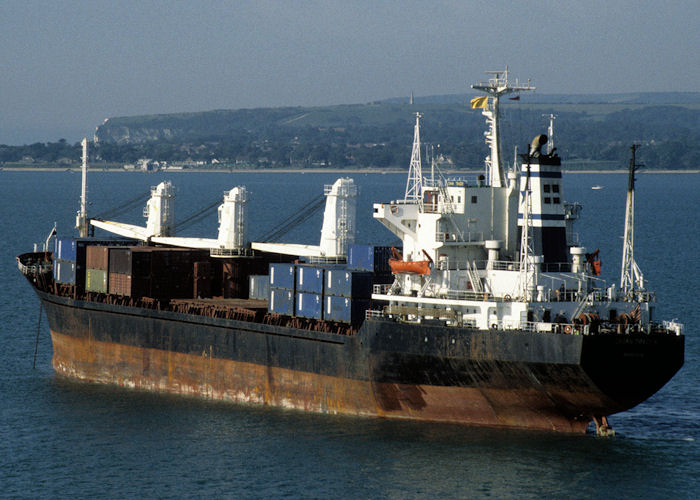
(546,188)
(547,201)
(556,201)
(555,188)
(473,199)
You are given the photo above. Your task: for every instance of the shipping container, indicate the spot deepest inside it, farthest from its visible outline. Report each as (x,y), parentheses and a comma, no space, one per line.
(64,271)
(97,257)
(345,283)
(65,249)
(202,288)
(282,275)
(236,273)
(309,305)
(124,284)
(259,287)
(172,287)
(345,309)
(120,261)
(75,249)
(309,278)
(203,269)
(119,284)
(281,301)
(369,258)
(96,280)
(176,258)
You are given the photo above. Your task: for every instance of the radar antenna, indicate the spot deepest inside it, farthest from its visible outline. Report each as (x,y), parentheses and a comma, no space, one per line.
(496,86)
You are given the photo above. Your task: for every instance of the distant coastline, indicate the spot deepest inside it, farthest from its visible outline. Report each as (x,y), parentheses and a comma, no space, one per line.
(369,170)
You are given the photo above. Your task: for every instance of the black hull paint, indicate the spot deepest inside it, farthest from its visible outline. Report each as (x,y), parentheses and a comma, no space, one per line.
(424,372)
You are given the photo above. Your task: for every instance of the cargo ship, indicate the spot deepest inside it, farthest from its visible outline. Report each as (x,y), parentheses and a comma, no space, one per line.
(490,312)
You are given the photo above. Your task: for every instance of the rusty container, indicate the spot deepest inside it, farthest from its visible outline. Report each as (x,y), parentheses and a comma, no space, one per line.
(97,257)
(119,284)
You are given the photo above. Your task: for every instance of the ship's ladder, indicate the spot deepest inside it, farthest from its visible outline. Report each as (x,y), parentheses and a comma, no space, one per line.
(447,207)
(449,211)
(584,302)
(477,285)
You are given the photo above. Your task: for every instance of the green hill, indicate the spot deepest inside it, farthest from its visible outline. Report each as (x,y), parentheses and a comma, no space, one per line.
(588,128)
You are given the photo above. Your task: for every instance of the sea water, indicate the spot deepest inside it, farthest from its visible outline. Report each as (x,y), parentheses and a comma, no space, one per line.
(65,439)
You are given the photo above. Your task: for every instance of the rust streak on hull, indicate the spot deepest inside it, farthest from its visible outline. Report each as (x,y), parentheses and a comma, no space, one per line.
(209,377)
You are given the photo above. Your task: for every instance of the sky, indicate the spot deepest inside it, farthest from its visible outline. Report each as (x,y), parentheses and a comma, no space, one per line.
(66,66)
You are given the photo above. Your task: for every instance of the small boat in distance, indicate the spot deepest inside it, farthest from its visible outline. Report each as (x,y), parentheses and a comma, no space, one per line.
(597,187)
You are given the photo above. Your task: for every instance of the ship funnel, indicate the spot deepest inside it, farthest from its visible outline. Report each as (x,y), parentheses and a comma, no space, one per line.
(160,210)
(233,220)
(537,144)
(339,218)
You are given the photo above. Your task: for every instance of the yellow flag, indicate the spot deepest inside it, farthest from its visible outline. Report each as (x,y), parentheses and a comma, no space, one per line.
(480,102)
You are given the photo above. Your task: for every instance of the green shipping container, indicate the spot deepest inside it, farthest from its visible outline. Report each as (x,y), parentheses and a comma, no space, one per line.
(96,280)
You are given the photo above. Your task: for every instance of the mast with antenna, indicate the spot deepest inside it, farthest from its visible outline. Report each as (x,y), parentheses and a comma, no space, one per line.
(497,86)
(81,221)
(631,278)
(414,183)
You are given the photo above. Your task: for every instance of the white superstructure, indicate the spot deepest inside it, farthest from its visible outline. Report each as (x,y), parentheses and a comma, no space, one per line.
(501,246)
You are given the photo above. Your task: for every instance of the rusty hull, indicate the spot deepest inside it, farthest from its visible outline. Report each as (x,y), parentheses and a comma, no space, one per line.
(552,382)
(209,377)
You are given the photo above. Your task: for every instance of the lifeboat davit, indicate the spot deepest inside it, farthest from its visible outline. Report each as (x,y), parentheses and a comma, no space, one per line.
(398,265)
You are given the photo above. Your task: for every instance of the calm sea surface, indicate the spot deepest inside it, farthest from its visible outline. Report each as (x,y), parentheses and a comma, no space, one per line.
(64,439)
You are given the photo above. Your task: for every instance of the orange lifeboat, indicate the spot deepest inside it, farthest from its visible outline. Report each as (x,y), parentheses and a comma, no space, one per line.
(398,265)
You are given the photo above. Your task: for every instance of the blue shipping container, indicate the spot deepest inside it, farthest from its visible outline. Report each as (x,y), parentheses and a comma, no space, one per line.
(345,310)
(64,271)
(282,275)
(259,286)
(281,301)
(345,283)
(64,248)
(369,258)
(309,305)
(309,278)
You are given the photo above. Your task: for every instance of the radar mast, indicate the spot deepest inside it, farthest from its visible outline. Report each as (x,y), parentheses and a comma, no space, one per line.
(631,278)
(497,86)
(414,183)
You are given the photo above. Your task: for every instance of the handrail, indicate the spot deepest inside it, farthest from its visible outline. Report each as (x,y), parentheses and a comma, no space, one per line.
(468,237)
